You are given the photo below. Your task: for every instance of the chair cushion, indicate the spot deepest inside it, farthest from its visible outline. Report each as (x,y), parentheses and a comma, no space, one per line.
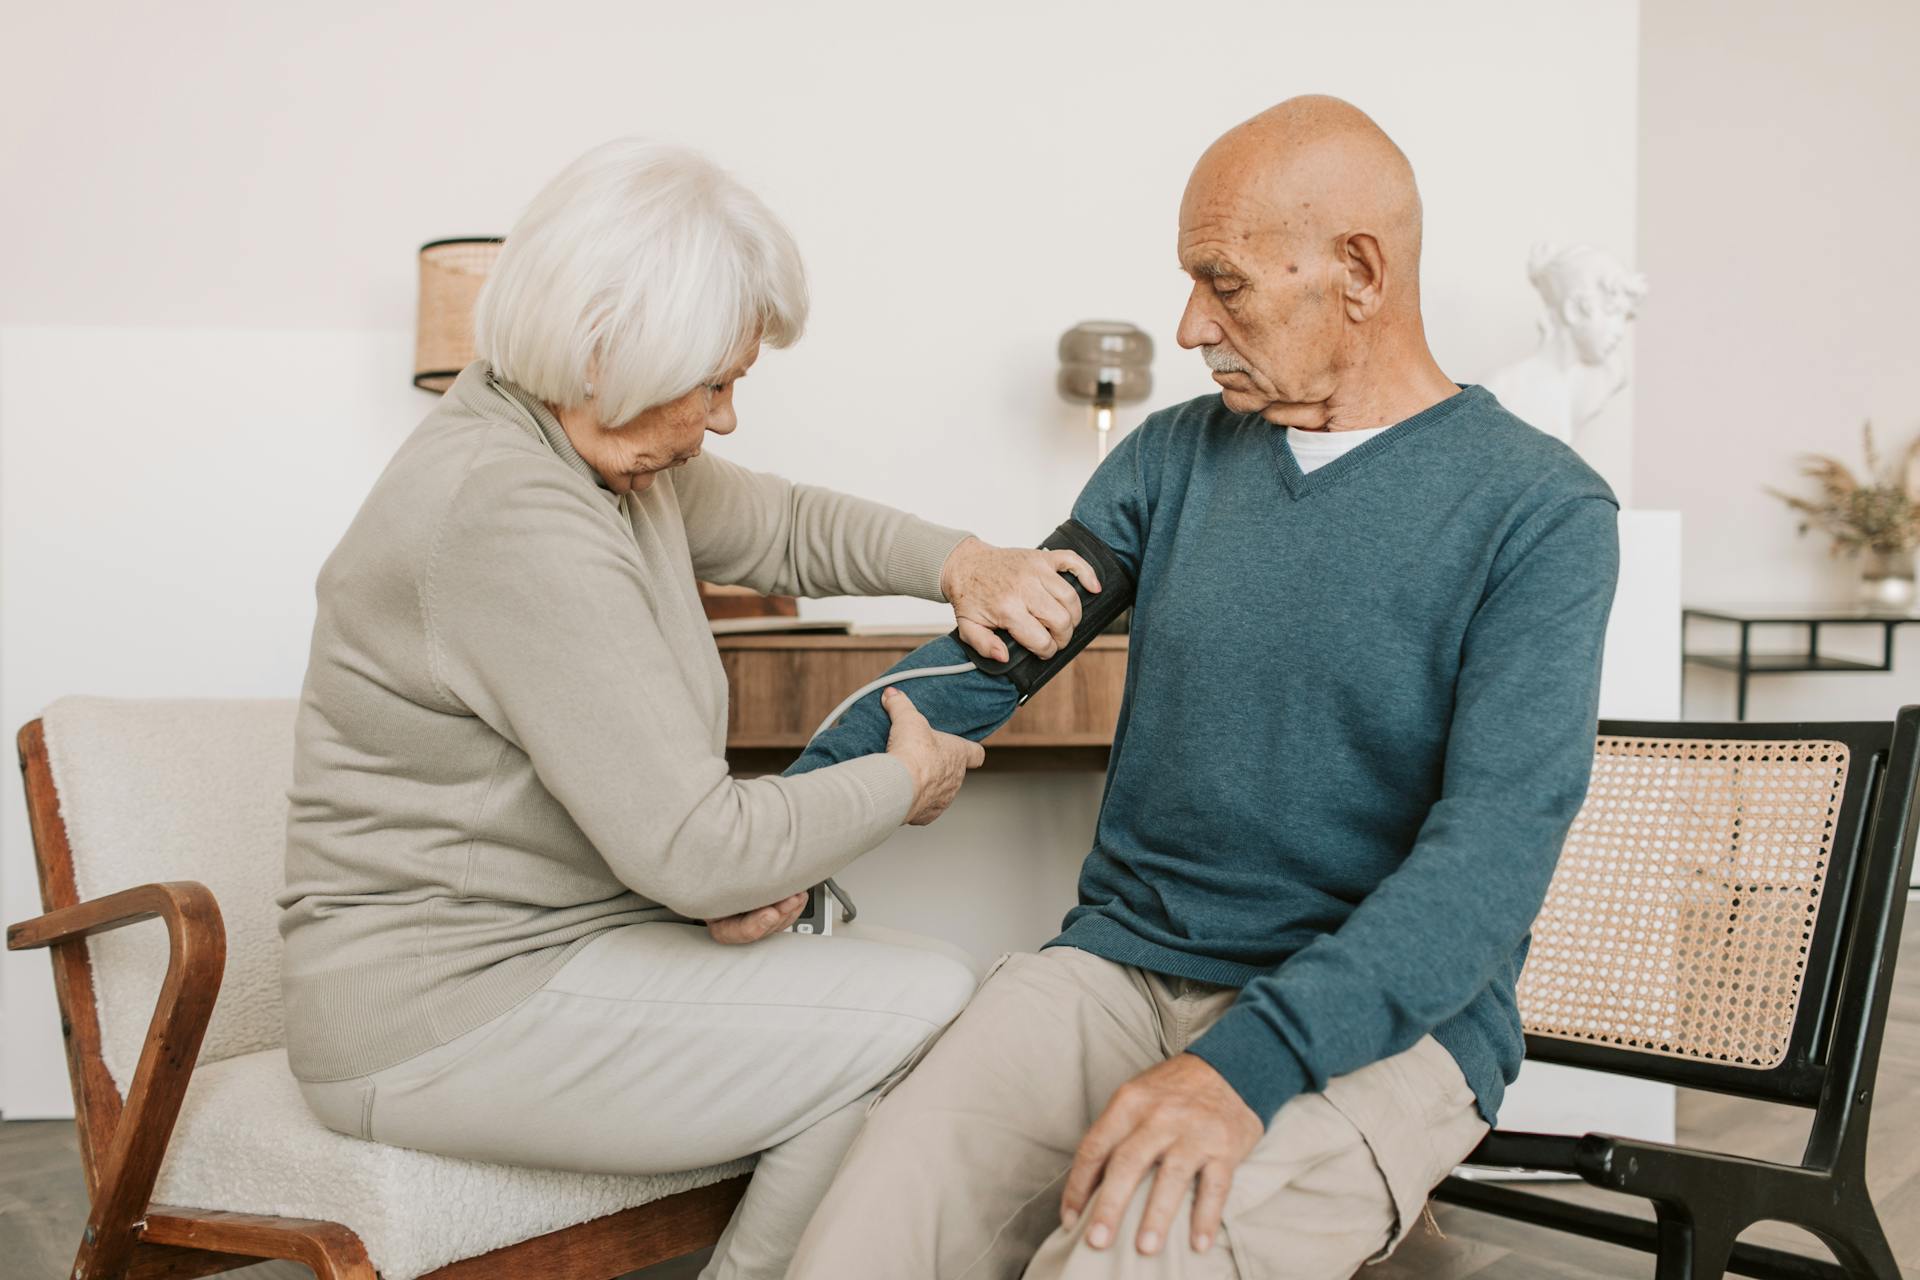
(178,789)
(246,1143)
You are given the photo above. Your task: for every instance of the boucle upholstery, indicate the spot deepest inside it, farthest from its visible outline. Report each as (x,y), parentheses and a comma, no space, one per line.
(178,790)
(246,1141)
(197,790)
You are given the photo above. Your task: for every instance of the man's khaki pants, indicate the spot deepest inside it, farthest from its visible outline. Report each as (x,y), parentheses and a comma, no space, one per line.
(959,1169)
(655,1049)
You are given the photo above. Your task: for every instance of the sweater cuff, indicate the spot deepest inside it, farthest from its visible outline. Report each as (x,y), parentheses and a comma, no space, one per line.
(1261,1068)
(918,553)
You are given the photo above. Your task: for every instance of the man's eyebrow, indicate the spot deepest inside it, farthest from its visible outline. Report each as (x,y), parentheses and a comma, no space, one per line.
(1209,268)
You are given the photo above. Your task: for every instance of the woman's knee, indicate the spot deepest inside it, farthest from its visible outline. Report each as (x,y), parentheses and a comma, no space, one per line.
(950,984)
(931,988)
(927,978)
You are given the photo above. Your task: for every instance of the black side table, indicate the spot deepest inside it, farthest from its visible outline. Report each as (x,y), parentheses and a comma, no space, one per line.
(1745,663)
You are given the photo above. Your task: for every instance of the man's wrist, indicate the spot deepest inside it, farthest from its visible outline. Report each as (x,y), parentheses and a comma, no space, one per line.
(1258,1064)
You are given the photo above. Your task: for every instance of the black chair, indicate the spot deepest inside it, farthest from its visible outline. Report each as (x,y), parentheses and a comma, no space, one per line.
(1726,916)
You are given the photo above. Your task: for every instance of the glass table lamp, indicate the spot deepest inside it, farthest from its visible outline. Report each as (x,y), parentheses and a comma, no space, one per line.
(1104,363)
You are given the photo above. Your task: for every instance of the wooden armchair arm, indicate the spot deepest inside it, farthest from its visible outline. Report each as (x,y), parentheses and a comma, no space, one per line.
(196,958)
(186,905)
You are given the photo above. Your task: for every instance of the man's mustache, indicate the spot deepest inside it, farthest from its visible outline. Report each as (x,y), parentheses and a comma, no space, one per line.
(1222,358)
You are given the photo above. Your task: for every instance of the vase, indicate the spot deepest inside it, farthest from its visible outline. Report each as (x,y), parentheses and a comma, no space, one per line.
(1886,580)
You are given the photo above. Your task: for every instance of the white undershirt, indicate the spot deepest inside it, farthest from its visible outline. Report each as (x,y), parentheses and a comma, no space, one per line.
(1315,449)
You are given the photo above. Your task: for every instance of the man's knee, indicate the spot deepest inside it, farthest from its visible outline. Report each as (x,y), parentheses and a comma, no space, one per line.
(1067,1254)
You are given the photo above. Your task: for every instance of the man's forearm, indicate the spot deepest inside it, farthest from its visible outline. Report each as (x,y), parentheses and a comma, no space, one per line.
(973,705)
(970,705)
(1411,956)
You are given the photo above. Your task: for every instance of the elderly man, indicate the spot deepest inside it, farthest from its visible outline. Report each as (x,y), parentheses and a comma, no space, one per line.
(1359,720)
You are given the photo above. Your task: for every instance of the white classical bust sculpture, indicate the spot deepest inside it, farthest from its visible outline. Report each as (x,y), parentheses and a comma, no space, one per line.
(1581,362)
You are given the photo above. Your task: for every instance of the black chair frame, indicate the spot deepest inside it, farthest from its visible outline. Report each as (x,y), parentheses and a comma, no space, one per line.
(1703,1200)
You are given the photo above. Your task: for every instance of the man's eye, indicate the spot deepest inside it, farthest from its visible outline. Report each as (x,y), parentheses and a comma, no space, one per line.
(1226,288)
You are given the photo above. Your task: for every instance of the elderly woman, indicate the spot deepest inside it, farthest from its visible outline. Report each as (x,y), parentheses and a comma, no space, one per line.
(515,857)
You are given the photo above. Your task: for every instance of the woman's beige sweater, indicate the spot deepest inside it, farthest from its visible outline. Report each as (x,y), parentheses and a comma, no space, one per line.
(512,733)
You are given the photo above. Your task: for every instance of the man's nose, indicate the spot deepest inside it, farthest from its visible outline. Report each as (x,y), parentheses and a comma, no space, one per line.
(1197,328)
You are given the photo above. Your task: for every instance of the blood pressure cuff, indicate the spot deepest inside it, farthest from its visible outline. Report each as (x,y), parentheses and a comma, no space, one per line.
(1028,672)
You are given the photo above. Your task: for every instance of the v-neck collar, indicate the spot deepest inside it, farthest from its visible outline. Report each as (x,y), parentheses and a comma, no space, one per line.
(1304,484)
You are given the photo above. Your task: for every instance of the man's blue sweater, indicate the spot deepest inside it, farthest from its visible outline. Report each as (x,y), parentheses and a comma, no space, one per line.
(1359,719)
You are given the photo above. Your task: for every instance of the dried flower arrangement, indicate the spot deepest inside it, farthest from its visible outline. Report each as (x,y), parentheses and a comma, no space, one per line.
(1879,514)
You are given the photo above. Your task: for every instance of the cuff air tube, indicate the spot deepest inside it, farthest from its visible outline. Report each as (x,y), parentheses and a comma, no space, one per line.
(1028,672)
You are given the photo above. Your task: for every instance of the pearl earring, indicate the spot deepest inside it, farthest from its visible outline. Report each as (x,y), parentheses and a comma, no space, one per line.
(589,391)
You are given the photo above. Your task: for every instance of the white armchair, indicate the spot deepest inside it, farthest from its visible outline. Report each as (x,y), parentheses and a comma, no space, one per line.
(200,1153)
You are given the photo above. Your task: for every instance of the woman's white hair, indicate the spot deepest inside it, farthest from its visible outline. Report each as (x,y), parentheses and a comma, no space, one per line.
(634,276)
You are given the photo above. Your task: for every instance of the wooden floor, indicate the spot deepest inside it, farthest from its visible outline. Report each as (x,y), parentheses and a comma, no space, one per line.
(43,1201)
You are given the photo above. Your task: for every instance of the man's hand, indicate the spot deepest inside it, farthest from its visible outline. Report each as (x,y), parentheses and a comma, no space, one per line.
(751,926)
(1016,590)
(1184,1117)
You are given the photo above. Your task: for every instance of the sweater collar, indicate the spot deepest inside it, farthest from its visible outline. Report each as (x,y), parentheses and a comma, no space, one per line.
(478,383)
(1301,484)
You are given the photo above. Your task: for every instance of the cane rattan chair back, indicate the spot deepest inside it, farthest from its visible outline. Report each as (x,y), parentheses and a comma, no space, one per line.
(1694,922)
(1726,915)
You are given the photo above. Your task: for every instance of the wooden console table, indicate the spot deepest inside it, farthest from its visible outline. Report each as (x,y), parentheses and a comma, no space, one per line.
(783,684)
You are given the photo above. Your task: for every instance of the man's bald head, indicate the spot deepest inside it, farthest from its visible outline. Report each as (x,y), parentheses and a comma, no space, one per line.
(1301,228)
(1316,168)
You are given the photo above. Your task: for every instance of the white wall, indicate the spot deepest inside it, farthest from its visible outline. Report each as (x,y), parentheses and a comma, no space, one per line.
(209,205)
(1778,190)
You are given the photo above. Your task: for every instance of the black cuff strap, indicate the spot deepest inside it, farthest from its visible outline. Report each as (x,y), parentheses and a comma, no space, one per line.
(1026,671)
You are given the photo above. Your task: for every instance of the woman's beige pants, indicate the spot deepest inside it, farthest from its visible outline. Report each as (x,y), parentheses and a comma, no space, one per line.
(656,1049)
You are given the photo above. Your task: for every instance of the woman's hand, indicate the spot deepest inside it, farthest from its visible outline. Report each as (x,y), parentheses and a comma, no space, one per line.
(751,926)
(938,761)
(1016,590)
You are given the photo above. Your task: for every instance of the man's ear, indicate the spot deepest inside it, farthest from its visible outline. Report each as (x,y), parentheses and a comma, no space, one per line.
(1366,268)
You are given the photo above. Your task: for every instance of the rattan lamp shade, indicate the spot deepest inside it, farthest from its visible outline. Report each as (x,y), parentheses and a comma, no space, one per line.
(451,273)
